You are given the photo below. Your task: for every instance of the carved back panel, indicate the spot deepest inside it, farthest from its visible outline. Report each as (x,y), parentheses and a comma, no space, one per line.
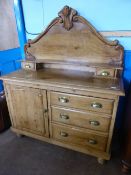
(70,38)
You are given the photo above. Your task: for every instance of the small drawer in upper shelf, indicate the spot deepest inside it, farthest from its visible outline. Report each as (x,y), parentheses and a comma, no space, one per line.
(82,102)
(105,72)
(82,119)
(28,65)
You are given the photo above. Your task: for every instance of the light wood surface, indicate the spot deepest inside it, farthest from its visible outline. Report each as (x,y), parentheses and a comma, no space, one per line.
(65,46)
(60,42)
(80,137)
(28,108)
(82,102)
(70,78)
(82,119)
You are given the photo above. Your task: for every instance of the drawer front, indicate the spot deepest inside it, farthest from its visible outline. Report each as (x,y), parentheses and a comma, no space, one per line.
(78,137)
(80,119)
(28,65)
(82,102)
(105,72)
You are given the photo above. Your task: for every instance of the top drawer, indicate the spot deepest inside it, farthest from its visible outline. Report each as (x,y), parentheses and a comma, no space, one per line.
(82,102)
(28,65)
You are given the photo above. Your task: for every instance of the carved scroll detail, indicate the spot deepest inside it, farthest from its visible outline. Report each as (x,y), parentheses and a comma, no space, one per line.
(66,15)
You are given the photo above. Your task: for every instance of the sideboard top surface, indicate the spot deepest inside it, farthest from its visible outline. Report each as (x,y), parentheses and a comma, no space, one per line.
(71,78)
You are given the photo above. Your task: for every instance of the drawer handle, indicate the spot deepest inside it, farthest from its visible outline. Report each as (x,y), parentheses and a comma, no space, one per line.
(92,141)
(40,95)
(94,123)
(105,73)
(65,117)
(27,66)
(63,99)
(96,105)
(64,134)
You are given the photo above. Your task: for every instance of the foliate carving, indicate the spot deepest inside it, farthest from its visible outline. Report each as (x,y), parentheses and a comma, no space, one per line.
(66,15)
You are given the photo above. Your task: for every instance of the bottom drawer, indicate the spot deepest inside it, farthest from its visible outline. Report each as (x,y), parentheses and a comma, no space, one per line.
(79,137)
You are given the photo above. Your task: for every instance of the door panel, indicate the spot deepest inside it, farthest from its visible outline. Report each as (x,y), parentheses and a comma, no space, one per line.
(29,105)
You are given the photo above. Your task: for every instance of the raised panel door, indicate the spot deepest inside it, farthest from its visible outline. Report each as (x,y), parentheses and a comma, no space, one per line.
(28,108)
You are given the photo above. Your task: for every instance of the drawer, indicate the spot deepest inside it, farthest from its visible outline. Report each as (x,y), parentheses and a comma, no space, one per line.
(105,72)
(82,102)
(81,119)
(79,137)
(28,65)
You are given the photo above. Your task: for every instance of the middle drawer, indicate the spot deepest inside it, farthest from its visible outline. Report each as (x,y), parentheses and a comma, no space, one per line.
(82,102)
(81,118)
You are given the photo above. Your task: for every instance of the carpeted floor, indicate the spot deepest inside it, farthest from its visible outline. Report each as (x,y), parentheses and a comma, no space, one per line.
(27,156)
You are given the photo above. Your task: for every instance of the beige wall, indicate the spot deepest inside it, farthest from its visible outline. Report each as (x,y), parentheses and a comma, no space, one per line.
(8,30)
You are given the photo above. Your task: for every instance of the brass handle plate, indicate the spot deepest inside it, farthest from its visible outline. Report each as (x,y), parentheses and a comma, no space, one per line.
(105,73)
(40,95)
(63,134)
(63,99)
(92,141)
(65,117)
(94,123)
(96,105)
(27,66)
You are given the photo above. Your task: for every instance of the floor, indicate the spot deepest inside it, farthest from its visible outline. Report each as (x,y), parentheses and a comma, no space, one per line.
(27,156)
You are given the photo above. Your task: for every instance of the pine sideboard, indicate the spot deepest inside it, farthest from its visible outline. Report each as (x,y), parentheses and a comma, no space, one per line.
(68,89)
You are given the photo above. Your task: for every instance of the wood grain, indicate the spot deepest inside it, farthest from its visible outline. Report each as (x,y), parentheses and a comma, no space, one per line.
(82,102)
(78,137)
(68,94)
(81,118)
(64,46)
(28,114)
(74,80)
(71,38)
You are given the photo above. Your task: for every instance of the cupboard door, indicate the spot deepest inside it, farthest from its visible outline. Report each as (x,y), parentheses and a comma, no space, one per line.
(28,108)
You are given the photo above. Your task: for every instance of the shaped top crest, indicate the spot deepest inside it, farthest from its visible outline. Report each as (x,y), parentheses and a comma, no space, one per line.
(66,15)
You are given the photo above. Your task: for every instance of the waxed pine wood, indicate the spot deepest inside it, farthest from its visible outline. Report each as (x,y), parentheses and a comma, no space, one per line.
(28,117)
(82,102)
(68,90)
(81,118)
(79,137)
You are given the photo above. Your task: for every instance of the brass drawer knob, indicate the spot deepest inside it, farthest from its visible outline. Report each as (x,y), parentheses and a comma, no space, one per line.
(40,95)
(63,134)
(96,105)
(63,99)
(94,123)
(27,66)
(92,141)
(105,73)
(65,117)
